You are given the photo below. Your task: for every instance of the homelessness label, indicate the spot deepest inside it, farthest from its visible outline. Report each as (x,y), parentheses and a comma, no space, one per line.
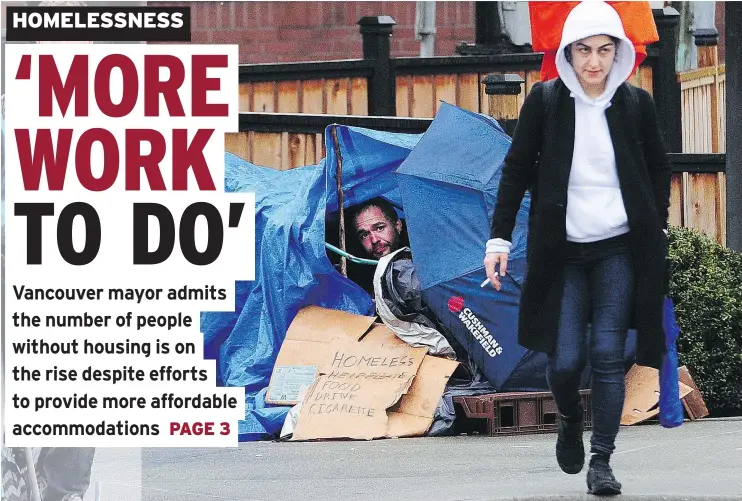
(357,385)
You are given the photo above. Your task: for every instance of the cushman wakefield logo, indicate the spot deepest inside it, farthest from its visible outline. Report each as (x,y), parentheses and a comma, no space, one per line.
(105,24)
(475,326)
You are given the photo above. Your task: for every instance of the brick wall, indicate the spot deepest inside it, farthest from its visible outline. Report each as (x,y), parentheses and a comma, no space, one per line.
(319,31)
(720,25)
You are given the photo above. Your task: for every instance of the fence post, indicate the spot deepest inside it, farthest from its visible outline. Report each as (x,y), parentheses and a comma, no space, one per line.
(382,89)
(733,43)
(667,94)
(707,41)
(502,92)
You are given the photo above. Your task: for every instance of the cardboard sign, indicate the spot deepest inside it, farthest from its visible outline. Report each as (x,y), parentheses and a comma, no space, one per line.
(306,345)
(359,382)
(401,388)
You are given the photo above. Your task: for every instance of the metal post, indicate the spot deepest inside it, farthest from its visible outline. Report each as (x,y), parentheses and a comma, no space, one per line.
(382,89)
(667,95)
(425,27)
(707,42)
(733,20)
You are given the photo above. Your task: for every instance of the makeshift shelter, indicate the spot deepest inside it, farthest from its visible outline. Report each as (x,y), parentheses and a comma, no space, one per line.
(292,269)
(449,179)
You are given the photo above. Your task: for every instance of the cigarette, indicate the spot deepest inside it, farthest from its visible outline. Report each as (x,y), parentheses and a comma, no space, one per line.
(485,282)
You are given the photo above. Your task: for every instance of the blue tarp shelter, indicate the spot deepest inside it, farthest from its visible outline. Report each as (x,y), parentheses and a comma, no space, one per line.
(454,179)
(292,269)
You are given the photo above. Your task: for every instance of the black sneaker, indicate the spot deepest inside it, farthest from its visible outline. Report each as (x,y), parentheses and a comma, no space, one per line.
(570,451)
(600,479)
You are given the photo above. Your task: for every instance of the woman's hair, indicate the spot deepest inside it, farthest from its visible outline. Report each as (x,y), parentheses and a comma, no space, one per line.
(568,49)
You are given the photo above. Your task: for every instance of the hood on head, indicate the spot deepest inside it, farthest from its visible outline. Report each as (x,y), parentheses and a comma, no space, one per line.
(590,18)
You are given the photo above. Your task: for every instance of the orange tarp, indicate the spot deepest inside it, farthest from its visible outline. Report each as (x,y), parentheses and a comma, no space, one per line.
(547,22)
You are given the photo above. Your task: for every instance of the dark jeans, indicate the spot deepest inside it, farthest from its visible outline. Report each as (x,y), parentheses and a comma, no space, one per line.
(598,290)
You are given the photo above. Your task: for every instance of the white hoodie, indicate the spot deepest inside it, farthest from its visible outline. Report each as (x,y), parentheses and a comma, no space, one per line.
(595,209)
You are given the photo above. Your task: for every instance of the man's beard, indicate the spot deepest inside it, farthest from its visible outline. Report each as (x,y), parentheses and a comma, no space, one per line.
(388,247)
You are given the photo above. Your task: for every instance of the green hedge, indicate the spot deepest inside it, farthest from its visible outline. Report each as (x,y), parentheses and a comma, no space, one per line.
(706,286)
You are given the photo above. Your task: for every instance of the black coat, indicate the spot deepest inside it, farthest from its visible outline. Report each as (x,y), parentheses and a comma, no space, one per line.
(539,160)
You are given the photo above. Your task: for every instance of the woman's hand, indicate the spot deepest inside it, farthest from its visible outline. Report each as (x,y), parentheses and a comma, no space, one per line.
(493,261)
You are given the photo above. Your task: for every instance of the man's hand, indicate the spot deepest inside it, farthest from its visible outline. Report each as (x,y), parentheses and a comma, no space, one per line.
(492,262)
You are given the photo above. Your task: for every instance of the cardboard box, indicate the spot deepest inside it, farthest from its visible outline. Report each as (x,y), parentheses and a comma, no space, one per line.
(643,394)
(364,382)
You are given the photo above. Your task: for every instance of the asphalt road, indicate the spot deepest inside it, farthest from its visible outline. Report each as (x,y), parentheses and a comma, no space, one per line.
(699,460)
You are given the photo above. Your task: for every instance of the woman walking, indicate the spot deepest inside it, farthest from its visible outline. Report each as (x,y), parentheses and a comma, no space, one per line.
(588,148)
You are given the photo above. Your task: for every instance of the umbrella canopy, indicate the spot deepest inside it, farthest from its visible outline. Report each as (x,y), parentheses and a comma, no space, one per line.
(448,185)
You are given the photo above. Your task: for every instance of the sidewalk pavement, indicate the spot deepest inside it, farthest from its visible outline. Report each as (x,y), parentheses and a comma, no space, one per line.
(699,460)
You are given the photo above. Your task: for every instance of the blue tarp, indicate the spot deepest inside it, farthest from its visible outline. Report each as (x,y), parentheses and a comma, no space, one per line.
(291,265)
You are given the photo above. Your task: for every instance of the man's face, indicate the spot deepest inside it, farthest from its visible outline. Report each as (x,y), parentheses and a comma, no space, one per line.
(377,234)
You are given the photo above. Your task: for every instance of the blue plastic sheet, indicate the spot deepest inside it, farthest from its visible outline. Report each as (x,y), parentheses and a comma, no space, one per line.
(291,265)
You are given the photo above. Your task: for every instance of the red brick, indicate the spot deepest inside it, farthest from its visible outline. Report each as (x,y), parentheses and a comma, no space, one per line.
(314,13)
(248,15)
(326,30)
(290,14)
(353,13)
(467,13)
(370,9)
(263,35)
(403,32)
(325,14)
(283,47)
(463,33)
(264,14)
(445,33)
(320,50)
(337,32)
(227,37)
(442,14)
(297,33)
(199,36)
(406,12)
(200,15)
(445,47)
(225,14)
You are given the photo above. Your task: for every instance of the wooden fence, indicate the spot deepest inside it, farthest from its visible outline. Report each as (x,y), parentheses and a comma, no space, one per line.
(702,196)
(704,110)
(420,85)
(284,141)
(342,89)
